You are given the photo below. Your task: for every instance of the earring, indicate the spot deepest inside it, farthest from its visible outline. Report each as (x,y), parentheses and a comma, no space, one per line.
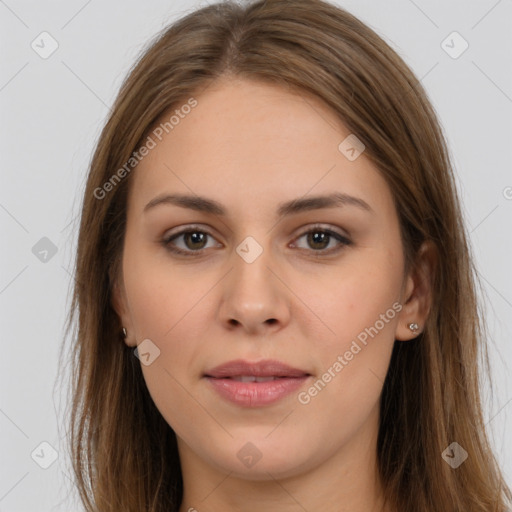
(125,332)
(414,327)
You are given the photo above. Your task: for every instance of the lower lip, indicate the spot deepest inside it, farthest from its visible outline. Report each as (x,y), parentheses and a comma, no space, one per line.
(256,394)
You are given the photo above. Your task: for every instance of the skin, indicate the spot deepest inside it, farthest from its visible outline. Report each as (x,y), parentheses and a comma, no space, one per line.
(251,146)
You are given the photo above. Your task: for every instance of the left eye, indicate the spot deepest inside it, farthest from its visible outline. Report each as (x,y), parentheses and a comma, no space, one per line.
(195,239)
(320,239)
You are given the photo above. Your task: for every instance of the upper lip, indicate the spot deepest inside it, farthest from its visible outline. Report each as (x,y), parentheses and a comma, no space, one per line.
(265,368)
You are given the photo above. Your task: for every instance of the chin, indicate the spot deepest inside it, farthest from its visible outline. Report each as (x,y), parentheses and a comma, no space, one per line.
(263,459)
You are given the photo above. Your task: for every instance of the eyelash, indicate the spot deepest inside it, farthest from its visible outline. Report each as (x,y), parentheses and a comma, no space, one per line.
(343,241)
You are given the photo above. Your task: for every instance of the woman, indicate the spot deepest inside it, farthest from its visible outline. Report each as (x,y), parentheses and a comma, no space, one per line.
(275,299)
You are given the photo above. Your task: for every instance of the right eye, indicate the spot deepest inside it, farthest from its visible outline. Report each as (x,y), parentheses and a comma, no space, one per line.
(193,239)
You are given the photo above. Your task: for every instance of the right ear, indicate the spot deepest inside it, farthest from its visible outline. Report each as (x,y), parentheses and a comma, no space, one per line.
(120,304)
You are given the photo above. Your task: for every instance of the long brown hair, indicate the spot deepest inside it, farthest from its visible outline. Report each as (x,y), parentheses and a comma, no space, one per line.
(124,454)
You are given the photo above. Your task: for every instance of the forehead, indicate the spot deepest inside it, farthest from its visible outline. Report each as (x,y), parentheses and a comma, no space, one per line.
(252,141)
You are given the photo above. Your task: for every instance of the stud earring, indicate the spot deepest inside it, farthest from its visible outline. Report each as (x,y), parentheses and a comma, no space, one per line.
(414,327)
(125,332)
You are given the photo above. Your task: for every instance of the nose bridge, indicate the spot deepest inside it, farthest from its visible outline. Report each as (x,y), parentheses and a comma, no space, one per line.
(252,279)
(252,294)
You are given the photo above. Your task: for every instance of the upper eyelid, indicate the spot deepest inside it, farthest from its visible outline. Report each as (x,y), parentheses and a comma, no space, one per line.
(187,229)
(305,230)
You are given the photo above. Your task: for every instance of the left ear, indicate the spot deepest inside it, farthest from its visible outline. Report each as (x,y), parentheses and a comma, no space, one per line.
(417,293)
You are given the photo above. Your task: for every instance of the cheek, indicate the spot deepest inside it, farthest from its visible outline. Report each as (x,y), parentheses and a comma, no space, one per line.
(157,299)
(170,311)
(359,305)
(353,363)
(355,297)
(163,311)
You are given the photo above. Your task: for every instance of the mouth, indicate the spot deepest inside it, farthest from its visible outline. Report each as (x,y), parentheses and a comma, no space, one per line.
(253,378)
(266,369)
(257,384)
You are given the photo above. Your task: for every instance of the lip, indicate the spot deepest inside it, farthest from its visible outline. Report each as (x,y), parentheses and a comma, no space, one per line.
(264,368)
(255,394)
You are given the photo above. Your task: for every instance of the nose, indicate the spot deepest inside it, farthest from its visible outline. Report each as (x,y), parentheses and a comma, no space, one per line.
(255,298)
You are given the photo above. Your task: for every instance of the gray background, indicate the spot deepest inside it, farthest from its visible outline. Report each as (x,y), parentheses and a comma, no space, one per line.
(52,111)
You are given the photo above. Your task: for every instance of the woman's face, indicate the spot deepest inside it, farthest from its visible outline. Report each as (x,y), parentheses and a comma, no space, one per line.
(316,285)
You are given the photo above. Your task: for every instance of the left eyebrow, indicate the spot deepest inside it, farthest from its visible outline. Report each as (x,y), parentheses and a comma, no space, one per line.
(203,204)
(336,199)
